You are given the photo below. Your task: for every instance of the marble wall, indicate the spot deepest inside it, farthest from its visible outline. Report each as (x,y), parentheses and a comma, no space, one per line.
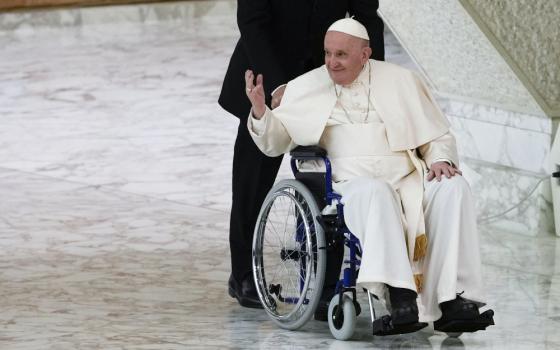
(506,155)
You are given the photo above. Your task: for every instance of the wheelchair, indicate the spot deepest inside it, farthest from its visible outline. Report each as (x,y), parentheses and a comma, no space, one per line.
(290,243)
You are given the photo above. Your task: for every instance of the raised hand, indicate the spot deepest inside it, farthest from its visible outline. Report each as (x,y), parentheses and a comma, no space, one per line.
(255,93)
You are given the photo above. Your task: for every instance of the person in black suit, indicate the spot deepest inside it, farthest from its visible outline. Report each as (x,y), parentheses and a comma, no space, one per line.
(280,39)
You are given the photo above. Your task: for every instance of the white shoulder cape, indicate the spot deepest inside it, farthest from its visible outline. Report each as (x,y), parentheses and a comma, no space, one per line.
(400,97)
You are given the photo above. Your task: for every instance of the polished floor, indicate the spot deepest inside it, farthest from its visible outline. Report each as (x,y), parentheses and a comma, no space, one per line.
(114,195)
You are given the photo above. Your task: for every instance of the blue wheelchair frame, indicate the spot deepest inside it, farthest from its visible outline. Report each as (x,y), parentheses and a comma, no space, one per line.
(348,282)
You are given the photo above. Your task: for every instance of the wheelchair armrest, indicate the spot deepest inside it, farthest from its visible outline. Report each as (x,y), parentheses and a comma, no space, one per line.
(308,152)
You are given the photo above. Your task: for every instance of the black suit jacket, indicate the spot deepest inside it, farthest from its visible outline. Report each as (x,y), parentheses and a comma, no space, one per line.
(282,39)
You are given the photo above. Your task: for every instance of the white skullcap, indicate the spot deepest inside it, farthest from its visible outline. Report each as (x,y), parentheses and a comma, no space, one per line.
(349,26)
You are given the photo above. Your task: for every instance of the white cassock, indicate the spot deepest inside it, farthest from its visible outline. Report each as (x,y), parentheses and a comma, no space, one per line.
(414,234)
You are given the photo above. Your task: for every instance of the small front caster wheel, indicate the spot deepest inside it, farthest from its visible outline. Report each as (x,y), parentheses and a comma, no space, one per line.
(342,319)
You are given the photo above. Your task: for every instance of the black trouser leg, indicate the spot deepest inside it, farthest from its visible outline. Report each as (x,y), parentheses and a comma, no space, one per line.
(335,256)
(399,295)
(334,266)
(253,176)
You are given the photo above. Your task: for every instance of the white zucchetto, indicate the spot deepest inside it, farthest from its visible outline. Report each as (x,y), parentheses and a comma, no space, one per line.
(349,26)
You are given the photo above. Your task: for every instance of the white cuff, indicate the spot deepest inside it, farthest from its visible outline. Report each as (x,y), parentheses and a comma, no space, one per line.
(442,160)
(257,126)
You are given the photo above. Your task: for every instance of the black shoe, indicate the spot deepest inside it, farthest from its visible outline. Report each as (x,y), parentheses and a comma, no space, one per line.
(404,314)
(462,315)
(245,292)
(322,310)
(404,309)
(459,308)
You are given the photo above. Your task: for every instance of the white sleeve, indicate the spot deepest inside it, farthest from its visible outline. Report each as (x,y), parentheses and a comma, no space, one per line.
(442,148)
(256,126)
(269,134)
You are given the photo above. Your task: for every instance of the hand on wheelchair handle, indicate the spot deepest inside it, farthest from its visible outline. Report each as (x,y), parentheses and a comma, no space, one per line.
(255,93)
(442,168)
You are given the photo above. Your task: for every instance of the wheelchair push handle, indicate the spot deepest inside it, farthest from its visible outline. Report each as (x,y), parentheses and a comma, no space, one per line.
(308,152)
(305,153)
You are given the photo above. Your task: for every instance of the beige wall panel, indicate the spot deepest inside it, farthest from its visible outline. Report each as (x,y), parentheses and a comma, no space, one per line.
(527,34)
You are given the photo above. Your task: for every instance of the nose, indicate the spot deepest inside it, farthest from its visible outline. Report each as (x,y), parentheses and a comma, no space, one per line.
(331,62)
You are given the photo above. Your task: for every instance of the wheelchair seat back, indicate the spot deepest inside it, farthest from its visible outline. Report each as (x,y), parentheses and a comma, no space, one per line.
(315,182)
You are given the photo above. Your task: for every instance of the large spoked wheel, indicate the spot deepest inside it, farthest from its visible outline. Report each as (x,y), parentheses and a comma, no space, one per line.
(342,318)
(289,254)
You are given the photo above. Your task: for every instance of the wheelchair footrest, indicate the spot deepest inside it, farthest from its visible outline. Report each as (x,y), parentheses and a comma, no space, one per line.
(384,326)
(480,323)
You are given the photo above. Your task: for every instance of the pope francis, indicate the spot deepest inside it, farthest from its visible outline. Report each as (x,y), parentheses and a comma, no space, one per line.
(395,164)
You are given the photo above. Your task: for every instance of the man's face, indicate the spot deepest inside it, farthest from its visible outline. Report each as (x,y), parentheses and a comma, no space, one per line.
(345,55)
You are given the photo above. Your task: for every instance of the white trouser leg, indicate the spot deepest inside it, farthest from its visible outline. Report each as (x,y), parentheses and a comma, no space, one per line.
(372,212)
(452,264)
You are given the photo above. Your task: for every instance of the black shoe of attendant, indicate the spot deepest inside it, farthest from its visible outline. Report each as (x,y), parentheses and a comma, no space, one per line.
(245,292)
(322,310)
(462,315)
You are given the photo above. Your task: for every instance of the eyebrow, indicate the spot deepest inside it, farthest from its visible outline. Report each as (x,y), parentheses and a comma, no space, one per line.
(335,51)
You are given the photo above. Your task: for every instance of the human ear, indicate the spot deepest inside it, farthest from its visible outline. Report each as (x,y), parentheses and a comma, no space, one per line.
(366,54)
